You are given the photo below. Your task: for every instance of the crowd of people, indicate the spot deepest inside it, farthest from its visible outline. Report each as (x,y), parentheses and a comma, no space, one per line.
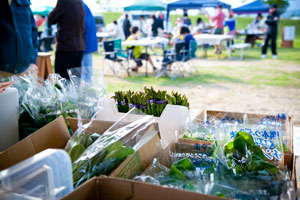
(76,40)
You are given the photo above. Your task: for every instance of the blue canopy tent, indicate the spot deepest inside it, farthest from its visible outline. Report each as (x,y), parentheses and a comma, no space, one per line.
(148,5)
(253,7)
(194,4)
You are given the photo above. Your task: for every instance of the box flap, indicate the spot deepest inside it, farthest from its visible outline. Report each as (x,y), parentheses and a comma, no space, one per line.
(172,120)
(53,135)
(98,126)
(139,161)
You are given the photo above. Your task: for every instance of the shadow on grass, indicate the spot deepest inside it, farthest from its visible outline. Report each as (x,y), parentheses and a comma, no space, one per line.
(194,79)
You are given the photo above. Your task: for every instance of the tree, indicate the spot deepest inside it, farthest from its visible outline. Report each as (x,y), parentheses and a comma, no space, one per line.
(281,4)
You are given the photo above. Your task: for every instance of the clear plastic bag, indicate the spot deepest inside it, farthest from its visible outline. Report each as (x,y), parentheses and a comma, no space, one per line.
(43,101)
(113,146)
(234,167)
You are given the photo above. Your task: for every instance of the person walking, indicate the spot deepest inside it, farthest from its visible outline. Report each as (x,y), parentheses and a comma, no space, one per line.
(69,16)
(18,37)
(126,26)
(91,45)
(271,34)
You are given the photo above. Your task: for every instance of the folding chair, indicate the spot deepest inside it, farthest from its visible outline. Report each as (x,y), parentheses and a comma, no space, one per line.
(111,54)
(192,58)
(170,65)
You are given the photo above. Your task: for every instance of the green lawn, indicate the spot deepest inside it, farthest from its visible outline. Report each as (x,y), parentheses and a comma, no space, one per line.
(277,73)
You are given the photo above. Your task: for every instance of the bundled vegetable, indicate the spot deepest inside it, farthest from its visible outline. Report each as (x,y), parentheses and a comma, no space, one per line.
(43,101)
(149,101)
(237,170)
(94,155)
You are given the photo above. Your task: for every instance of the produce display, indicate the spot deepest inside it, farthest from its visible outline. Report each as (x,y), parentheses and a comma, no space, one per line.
(95,155)
(43,101)
(237,170)
(149,101)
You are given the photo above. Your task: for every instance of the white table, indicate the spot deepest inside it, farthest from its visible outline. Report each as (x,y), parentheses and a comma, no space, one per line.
(146,42)
(212,39)
(102,35)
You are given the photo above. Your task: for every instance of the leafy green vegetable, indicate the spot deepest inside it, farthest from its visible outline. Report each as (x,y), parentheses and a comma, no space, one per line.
(103,163)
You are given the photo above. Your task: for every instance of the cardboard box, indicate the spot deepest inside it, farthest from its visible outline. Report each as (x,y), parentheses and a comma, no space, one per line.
(54,135)
(170,122)
(102,188)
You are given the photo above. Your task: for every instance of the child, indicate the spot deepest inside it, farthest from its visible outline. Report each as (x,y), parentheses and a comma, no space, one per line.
(137,51)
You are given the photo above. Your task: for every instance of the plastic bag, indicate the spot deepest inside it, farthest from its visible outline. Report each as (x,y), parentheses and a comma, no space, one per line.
(113,146)
(234,167)
(43,101)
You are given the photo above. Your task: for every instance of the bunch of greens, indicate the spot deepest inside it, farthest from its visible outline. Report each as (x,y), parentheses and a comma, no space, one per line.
(79,144)
(243,155)
(103,162)
(149,101)
(239,171)
(43,101)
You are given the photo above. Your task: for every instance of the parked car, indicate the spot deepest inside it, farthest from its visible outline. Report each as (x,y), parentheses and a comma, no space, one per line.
(100,24)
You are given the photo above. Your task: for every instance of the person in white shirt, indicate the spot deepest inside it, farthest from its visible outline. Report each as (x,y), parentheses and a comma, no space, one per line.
(115,31)
(200,27)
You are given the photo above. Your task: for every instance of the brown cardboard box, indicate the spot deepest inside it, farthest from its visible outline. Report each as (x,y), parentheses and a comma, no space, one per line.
(102,188)
(53,135)
(56,135)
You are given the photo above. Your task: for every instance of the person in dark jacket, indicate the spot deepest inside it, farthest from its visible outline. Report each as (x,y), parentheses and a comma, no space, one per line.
(271,34)
(126,26)
(91,45)
(155,26)
(18,37)
(69,16)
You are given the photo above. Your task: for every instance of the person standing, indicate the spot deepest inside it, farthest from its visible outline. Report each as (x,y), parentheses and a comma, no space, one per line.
(219,21)
(69,16)
(219,26)
(115,31)
(200,27)
(91,45)
(155,26)
(252,28)
(271,34)
(186,20)
(126,26)
(18,37)
(230,23)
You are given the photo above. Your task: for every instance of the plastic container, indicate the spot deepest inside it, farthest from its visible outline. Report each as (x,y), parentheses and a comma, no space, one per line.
(47,175)
(9,114)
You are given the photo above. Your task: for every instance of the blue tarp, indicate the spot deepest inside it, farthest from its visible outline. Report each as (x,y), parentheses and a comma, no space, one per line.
(253,7)
(194,4)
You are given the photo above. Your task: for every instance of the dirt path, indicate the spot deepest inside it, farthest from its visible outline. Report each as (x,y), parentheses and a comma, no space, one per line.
(240,97)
